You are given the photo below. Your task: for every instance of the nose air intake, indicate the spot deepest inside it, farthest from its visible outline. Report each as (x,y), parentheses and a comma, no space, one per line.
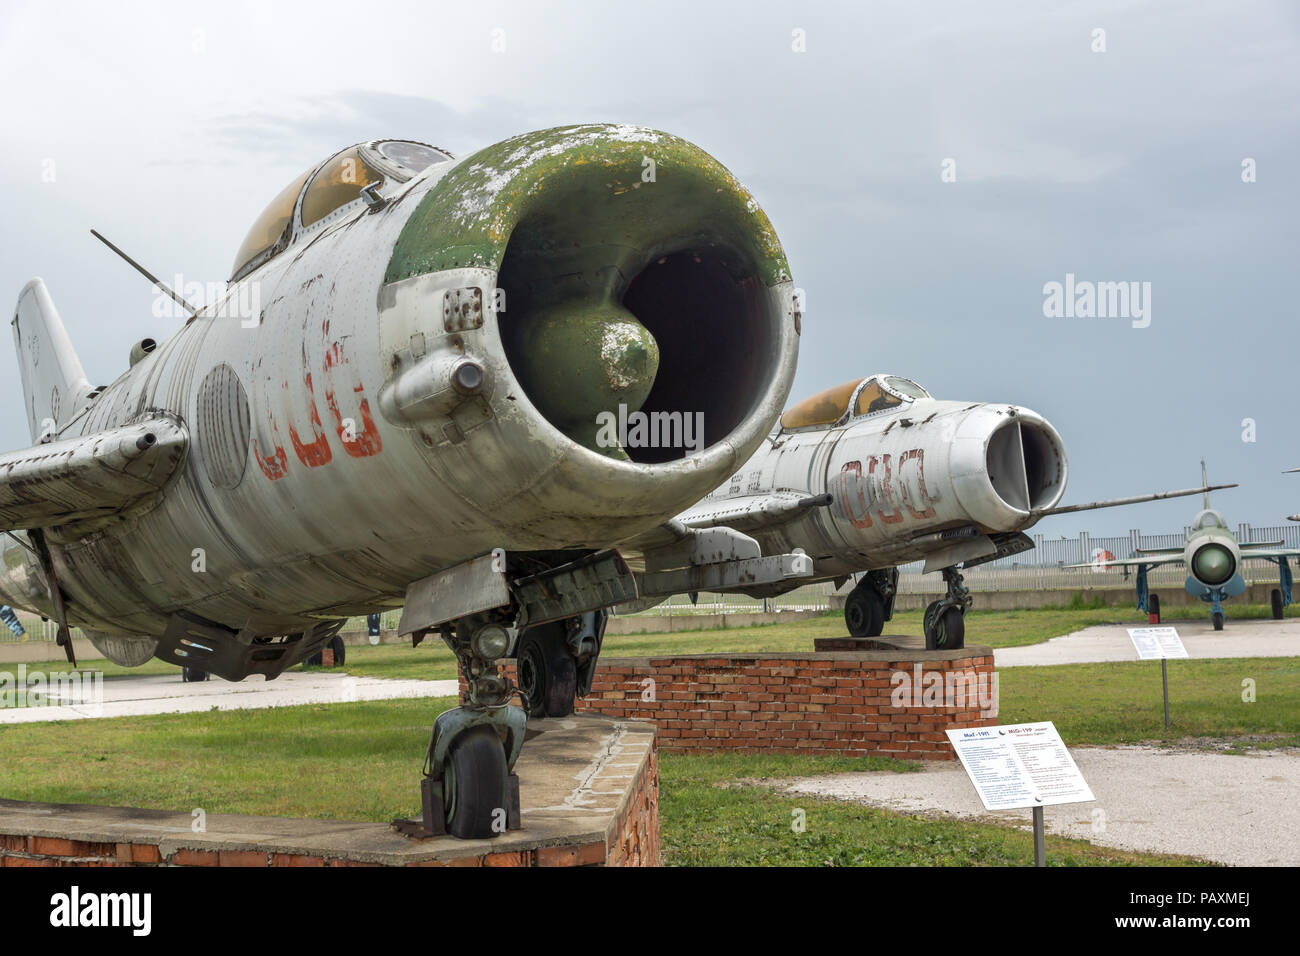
(637,274)
(1026,463)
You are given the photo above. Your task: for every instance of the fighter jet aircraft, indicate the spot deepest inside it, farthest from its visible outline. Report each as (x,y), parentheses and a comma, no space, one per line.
(393,404)
(1212,557)
(876,472)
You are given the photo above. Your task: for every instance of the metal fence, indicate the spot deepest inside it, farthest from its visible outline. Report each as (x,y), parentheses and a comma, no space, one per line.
(1046,566)
(1043,568)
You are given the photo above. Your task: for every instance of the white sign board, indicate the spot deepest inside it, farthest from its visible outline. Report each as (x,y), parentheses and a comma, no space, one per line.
(1019,765)
(1157,643)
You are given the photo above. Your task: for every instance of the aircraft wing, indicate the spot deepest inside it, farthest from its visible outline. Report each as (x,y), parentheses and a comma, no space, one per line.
(1268,550)
(1152,559)
(1134,500)
(752,513)
(88,477)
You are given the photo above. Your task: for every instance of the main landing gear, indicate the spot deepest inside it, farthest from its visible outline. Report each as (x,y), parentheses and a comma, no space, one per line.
(945,619)
(871,603)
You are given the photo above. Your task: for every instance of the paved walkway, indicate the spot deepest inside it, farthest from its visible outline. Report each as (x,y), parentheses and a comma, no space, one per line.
(1110,642)
(134,696)
(1238,810)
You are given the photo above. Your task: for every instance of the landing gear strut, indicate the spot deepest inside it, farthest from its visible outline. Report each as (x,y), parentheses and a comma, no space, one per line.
(469,788)
(945,619)
(871,603)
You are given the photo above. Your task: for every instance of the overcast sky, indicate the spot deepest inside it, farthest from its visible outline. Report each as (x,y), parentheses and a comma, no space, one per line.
(169,127)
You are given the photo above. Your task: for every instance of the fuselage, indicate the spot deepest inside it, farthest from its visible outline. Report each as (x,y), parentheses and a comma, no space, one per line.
(330,465)
(904,483)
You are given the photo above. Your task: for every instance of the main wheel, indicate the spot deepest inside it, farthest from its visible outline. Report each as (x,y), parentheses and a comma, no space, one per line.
(547,672)
(1217,618)
(946,631)
(1153,609)
(864,612)
(340,650)
(475,785)
(1277,604)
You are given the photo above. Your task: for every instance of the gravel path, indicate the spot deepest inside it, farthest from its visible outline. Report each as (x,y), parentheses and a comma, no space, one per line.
(1110,642)
(168,694)
(1238,810)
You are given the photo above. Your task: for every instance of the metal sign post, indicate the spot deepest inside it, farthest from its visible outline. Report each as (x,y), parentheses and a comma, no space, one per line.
(1021,765)
(1164,681)
(1158,642)
(1040,839)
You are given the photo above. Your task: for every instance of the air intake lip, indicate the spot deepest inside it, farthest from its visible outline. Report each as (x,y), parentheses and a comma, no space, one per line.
(1026,462)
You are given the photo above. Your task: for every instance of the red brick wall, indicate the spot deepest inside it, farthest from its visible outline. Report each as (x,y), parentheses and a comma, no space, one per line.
(836,702)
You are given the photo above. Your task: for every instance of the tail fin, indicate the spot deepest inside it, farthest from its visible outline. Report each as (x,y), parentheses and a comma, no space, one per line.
(54,384)
(1204,483)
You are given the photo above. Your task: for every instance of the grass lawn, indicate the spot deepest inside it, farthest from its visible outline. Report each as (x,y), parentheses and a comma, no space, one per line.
(360,762)
(994,628)
(1121,703)
(707,819)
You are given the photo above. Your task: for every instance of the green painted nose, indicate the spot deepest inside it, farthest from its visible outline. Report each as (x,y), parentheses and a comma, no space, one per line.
(579,359)
(1213,564)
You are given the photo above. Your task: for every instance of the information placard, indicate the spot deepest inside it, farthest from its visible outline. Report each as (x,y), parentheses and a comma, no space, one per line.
(1020,765)
(1157,643)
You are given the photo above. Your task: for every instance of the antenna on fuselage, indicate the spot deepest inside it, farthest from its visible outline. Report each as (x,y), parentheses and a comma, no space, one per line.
(148,275)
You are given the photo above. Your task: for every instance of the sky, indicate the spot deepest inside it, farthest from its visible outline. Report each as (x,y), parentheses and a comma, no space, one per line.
(930,168)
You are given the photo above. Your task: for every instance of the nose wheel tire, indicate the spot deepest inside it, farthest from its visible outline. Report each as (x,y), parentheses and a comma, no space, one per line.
(1217,619)
(864,612)
(475,794)
(547,672)
(1277,604)
(945,629)
(190,675)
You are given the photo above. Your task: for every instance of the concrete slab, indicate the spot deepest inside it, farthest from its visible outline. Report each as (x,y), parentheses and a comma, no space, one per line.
(140,695)
(576,777)
(1232,809)
(1258,638)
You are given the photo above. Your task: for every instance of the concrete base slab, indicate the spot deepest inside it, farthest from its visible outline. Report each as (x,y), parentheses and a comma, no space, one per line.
(135,696)
(588,788)
(1111,642)
(1231,809)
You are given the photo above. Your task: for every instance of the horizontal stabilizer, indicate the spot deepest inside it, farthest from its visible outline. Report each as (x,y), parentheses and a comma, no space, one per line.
(93,476)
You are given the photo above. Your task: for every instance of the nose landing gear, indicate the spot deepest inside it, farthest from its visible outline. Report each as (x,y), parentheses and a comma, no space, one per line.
(469,788)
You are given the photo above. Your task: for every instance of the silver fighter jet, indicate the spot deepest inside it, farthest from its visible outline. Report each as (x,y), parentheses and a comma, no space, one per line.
(393,403)
(876,472)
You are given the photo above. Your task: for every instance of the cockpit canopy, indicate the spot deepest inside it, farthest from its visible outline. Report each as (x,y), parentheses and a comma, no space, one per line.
(862,396)
(1209,518)
(327,192)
